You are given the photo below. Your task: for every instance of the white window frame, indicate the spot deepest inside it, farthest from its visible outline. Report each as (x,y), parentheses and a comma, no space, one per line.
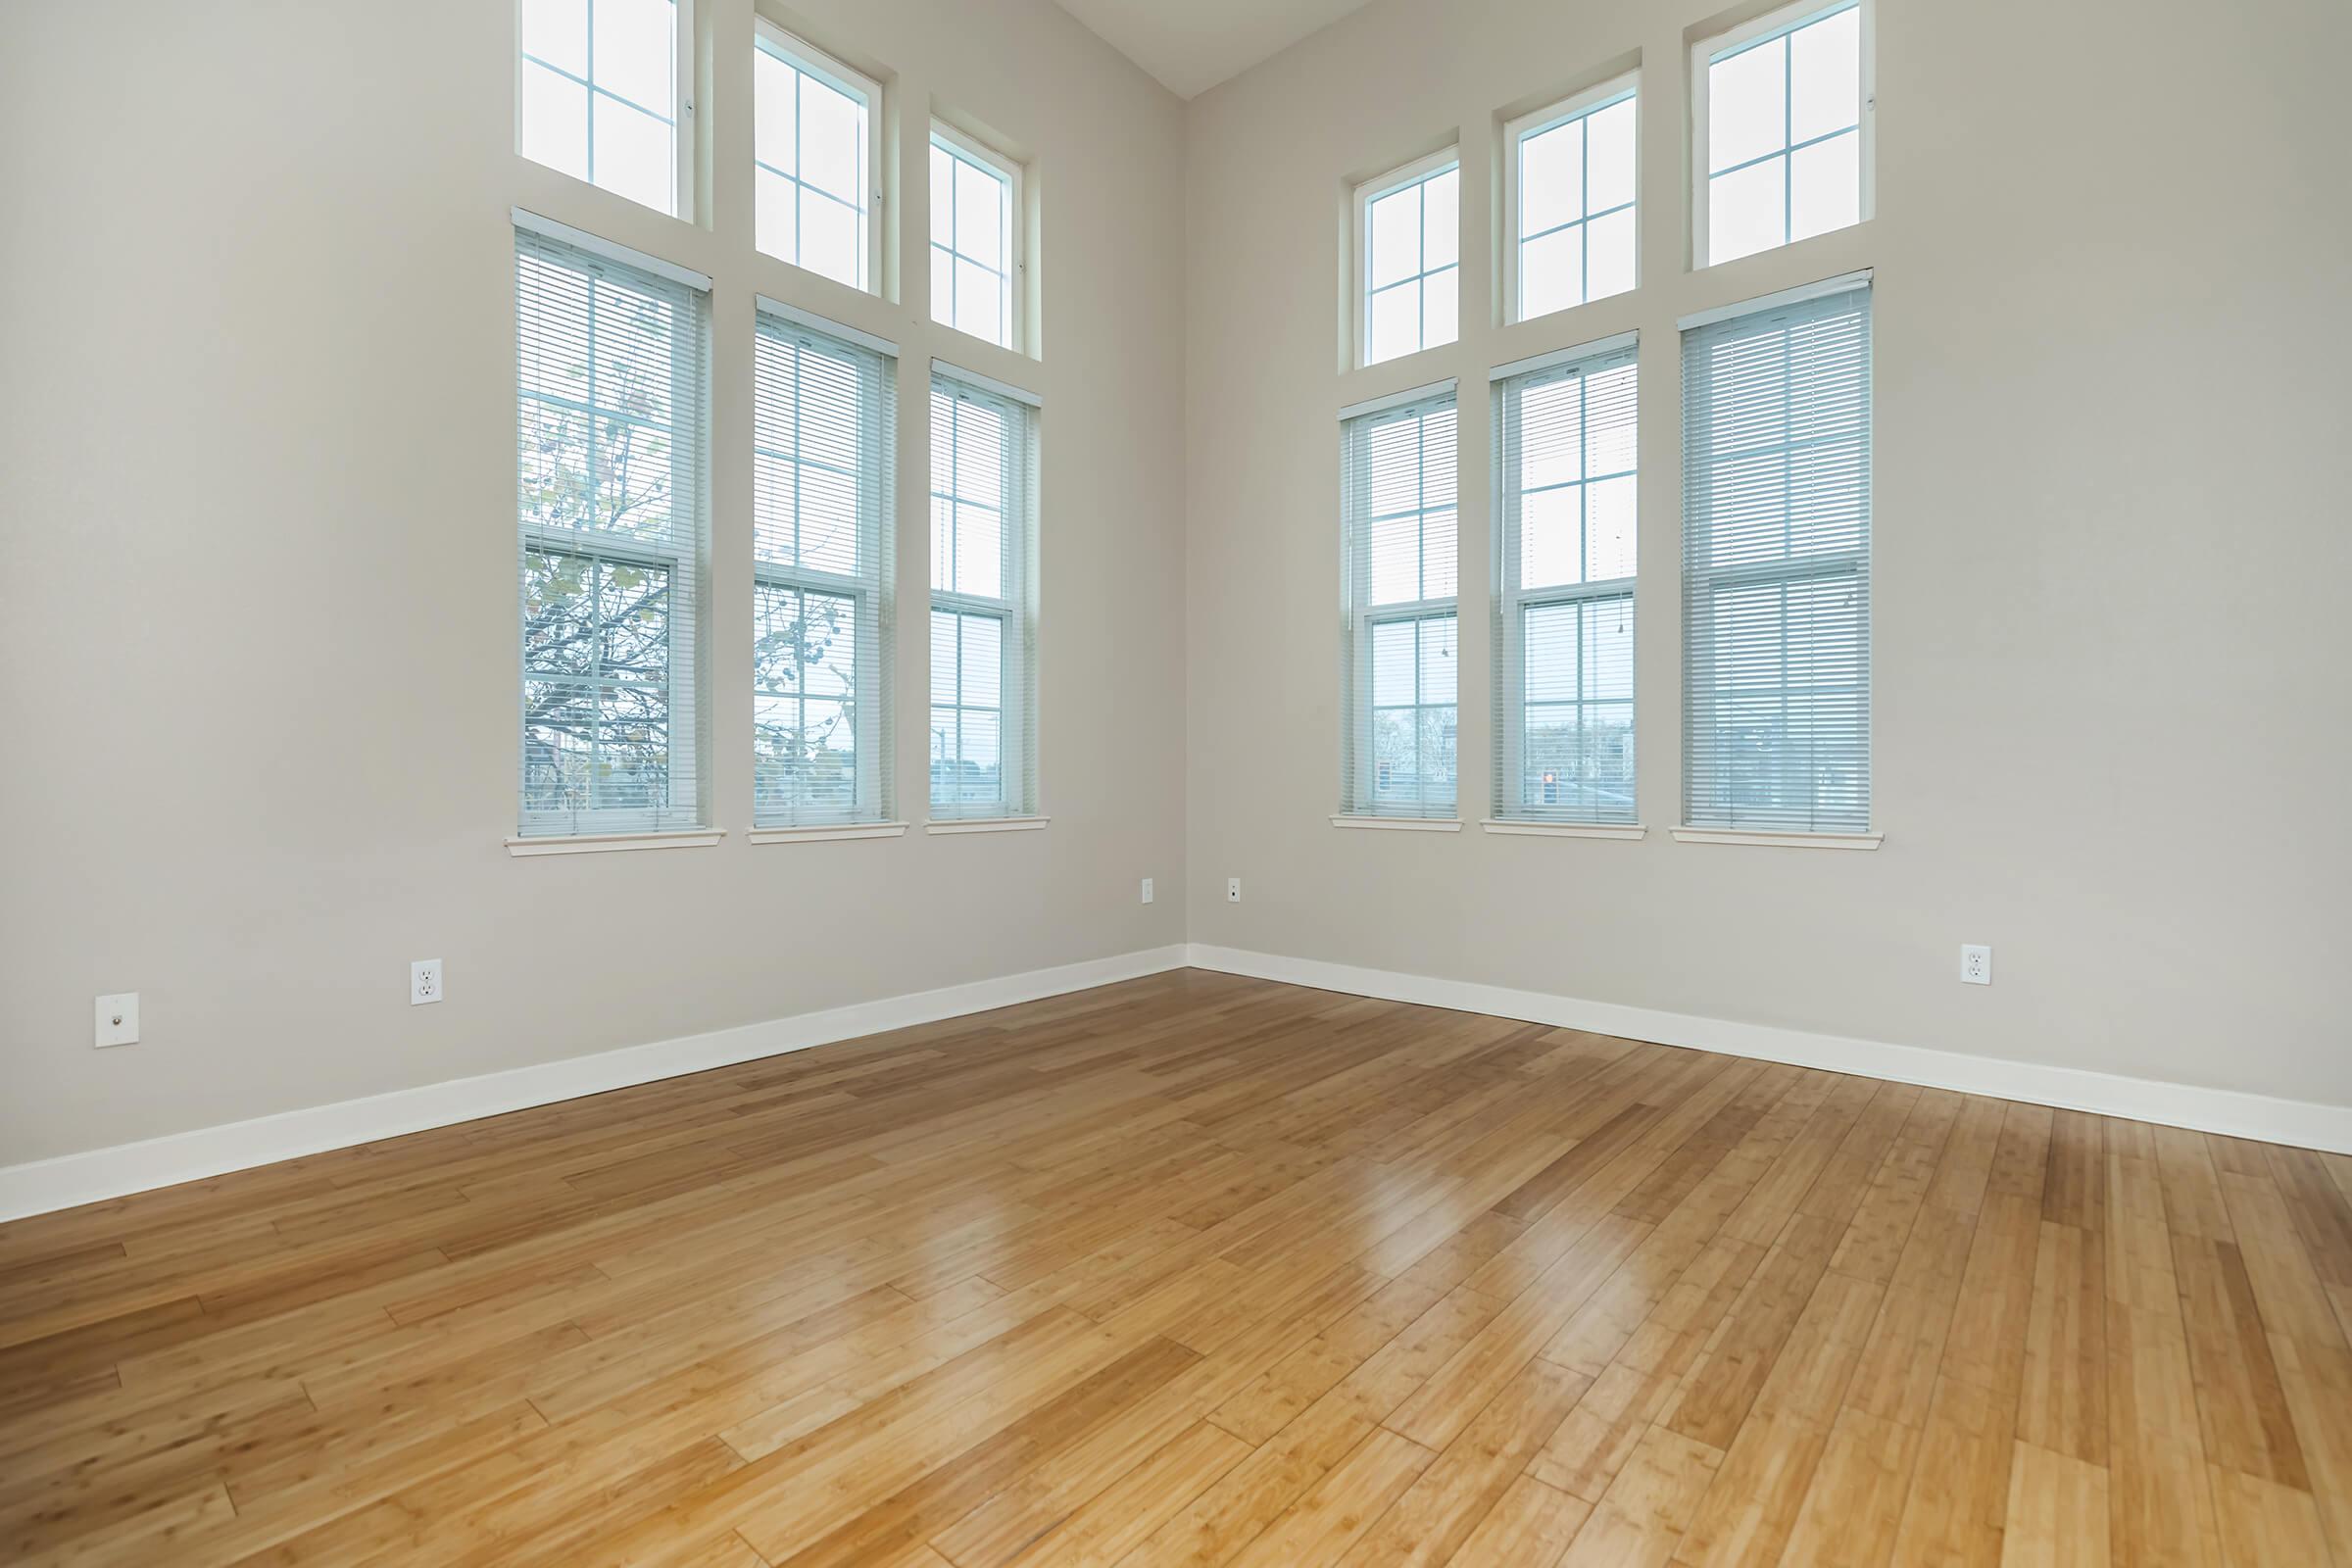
(871,596)
(1014,610)
(972,150)
(1764,29)
(681,116)
(682,558)
(1516,134)
(1416,173)
(1361,794)
(806,58)
(1512,601)
(1701,579)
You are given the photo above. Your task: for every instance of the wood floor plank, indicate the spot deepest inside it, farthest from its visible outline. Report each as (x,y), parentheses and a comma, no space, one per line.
(1204,1270)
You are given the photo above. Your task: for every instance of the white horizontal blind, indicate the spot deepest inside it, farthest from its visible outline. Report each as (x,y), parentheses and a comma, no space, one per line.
(612,433)
(983,614)
(824,431)
(1399,663)
(1564,568)
(1776,569)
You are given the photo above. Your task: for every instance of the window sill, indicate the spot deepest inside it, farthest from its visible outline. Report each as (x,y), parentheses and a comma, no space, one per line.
(1779,840)
(827,832)
(987,825)
(523,849)
(1567,830)
(1401,824)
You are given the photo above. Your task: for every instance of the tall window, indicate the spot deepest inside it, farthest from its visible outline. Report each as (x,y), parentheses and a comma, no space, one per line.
(1408,239)
(1569,177)
(1397,532)
(983,624)
(824,414)
(813,158)
(975,238)
(598,92)
(1564,487)
(1784,110)
(1776,567)
(611,431)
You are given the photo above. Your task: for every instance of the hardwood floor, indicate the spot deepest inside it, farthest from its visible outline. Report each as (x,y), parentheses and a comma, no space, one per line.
(1204,1270)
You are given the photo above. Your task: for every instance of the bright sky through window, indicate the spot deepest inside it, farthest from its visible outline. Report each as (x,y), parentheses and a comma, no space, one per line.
(1412,273)
(812,161)
(1785,136)
(596,94)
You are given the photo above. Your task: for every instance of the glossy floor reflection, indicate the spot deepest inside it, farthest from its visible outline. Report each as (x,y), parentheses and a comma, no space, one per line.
(1204,1270)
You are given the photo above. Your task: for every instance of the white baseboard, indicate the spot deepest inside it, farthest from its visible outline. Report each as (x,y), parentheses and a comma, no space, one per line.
(2300,1123)
(41,1186)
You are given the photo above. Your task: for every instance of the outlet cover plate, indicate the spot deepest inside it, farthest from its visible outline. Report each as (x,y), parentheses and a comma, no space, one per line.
(118,1020)
(425,982)
(1976,965)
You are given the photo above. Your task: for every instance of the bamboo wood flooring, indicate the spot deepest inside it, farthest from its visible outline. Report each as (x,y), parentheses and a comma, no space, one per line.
(1203,1270)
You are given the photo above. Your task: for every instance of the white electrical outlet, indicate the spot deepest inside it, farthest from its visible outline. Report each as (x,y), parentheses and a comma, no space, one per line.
(1233,889)
(118,1020)
(1976,965)
(1147,890)
(425,982)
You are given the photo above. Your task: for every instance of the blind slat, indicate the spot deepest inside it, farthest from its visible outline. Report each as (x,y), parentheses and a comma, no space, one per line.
(823,525)
(1399,655)
(610,436)
(1565,466)
(1776,569)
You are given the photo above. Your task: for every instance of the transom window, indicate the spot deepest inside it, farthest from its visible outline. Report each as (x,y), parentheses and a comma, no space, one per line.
(1570,173)
(813,154)
(1784,109)
(983,656)
(612,426)
(824,413)
(1399,531)
(975,238)
(598,91)
(1408,234)
(1565,447)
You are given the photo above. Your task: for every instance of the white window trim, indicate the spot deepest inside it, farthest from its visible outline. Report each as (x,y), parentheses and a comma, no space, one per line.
(1565,831)
(1370,191)
(953,826)
(684,560)
(1016,224)
(826,834)
(1779,840)
(873,599)
(1788,19)
(1015,611)
(1577,107)
(683,50)
(1512,601)
(1401,824)
(807,58)
(1363,772)
(531,848)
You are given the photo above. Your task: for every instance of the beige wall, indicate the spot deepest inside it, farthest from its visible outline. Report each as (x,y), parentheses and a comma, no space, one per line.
(257,475)
(2112,538)
(256,472)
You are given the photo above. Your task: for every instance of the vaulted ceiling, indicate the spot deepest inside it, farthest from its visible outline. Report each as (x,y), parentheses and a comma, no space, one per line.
(1191,45)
